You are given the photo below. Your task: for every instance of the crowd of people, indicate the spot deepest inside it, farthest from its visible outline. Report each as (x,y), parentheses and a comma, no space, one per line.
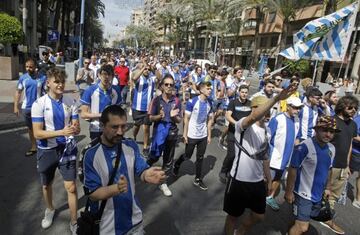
(288,131)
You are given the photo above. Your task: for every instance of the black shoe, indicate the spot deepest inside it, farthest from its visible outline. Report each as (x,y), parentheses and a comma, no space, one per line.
(199,183)
(175,170)
(222,177)
(146,152)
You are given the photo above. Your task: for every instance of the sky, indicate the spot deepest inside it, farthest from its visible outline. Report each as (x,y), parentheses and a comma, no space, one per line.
(117,16)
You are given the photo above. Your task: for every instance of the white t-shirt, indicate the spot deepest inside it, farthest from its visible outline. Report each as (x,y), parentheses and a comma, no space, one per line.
(248,169)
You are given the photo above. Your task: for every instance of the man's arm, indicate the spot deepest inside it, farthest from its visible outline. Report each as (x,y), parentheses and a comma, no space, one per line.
(106,192)
(290,184)
(186,127)
(153,175)
(17,98)
(209,126)
(40,133)
(229,117)
(86,114)
(266,168)
(258,113)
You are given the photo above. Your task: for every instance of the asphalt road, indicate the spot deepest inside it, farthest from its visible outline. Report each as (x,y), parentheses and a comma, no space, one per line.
(189,211)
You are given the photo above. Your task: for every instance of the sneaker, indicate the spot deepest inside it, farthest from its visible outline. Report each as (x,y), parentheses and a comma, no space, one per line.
(272,203)
(199,183)
(165,189)
(146,152)
(333,227)
(48,218)
(221,144)
(356,203)
(222,177)
(130,112)
(73,228)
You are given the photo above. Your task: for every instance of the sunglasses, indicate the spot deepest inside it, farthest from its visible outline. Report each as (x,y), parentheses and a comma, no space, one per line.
(278,80)
(169,84)
(294,107)
(327,130)
(351,108)
(86,62)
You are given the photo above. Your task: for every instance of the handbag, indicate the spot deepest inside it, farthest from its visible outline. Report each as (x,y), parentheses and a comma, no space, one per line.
(89,223)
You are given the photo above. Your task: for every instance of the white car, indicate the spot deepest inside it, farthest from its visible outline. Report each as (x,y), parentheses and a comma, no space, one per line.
(202,62)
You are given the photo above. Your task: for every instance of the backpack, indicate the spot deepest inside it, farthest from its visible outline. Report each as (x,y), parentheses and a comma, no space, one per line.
(80,171)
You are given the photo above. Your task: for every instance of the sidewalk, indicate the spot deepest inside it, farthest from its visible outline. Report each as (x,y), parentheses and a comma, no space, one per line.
(8,119)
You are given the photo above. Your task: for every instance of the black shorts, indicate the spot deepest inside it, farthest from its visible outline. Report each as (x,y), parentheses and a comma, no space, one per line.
(140,118)
(50,159)
(27,118)
(355,162)
(241,195)
(276,174)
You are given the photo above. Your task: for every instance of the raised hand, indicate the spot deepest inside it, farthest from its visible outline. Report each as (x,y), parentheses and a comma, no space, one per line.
(286,93)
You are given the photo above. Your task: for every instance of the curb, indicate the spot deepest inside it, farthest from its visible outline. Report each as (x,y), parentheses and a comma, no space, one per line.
(11,125)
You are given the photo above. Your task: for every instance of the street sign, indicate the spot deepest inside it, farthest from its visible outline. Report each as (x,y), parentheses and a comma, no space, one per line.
(53,35)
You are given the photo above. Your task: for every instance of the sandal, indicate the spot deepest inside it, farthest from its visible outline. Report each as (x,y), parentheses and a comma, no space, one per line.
(30,153)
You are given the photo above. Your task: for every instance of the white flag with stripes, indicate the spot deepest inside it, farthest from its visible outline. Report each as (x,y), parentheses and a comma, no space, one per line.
(325,38)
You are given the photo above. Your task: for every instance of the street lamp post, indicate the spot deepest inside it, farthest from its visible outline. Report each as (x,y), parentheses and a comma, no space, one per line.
(81,41)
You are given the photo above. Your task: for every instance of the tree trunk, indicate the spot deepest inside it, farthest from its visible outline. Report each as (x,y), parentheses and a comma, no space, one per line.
(284,34)
(60,44)
(206,45)
(57,15)
(195,37)
(44,21)
(236,38)
(259,17)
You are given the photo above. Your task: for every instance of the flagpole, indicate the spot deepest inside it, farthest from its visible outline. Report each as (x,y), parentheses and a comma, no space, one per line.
(342,63)
(315,68)
(356,25)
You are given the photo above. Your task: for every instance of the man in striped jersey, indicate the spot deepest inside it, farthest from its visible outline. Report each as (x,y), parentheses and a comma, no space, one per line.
(33,86)
(97,97)
(55,119)
(309,174)
(144,87)
(284,128)
(309,114)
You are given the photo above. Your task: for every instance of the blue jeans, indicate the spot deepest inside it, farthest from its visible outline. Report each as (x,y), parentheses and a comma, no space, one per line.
(123,92)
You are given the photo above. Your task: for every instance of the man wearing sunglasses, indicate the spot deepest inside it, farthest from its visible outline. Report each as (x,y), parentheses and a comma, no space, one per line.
(310,172)
(284,128)
(85,76)
(345,110)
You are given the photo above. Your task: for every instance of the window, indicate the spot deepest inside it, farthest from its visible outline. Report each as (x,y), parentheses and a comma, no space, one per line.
(271,17)
(274,41)
(250,24)
(263,42)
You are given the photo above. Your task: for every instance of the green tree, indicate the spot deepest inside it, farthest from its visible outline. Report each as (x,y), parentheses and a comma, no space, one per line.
(10,29)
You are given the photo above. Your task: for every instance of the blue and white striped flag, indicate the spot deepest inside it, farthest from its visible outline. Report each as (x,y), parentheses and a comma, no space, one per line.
(326,38)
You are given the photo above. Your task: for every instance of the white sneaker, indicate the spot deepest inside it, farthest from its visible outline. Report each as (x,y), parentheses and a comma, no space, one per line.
(73,228)
(165,189)
(130,112)
(48,218)
(356,203)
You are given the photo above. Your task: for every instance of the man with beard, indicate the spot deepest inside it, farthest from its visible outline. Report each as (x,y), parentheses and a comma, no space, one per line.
(237,109)
(345,110)
(122,214)
(309,174)
(33,85)
(268,92)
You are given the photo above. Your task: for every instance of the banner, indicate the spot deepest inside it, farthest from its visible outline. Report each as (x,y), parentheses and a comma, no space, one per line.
(262,65)
(325,38)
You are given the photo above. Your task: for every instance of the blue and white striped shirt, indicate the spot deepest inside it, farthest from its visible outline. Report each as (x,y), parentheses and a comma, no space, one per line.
(98,99)
(122,212)
(308,116)
(284,130)
(55,115)
(313,163)
(33,89)
(143,93)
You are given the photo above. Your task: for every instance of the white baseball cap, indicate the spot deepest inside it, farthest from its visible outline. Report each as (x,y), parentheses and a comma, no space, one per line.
(294,101)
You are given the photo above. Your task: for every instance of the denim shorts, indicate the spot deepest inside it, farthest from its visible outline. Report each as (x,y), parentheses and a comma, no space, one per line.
(304,209)
(50,159)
